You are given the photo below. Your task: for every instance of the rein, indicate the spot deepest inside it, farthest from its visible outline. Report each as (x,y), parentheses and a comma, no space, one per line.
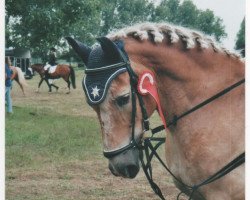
(145,146)
(147,168)
(207,101)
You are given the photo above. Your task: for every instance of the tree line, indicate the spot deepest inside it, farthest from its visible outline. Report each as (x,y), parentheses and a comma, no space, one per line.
(41,24)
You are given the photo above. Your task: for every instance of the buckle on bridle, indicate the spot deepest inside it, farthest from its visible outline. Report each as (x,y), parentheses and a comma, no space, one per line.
(146,125)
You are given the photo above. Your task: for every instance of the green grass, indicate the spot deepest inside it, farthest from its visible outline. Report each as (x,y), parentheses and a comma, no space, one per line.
(54,150)
(37,136)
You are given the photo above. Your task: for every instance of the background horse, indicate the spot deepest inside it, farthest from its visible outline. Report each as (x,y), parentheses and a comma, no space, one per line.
(19,77)
(187,68)
(62,71)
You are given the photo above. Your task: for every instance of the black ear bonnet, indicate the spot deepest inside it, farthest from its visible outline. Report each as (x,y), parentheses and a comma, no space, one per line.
(103,64)
(99,75)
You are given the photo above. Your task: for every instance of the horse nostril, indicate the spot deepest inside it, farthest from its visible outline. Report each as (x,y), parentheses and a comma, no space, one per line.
(111,168)
(131,171)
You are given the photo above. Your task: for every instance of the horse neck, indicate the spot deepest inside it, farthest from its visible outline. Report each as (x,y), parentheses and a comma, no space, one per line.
(186,77)
(39,68)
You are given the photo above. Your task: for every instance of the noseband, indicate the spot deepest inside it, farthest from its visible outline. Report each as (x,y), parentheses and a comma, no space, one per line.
(145,146)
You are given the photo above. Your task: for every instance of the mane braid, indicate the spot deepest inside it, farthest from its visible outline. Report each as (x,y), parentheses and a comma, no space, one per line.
(156,32)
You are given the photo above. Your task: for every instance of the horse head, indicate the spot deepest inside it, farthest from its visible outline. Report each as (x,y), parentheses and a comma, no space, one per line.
(179,72)
(107,87)
(39,68)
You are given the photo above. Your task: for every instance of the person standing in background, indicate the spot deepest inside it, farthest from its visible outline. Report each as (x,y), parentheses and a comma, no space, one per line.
(8,83)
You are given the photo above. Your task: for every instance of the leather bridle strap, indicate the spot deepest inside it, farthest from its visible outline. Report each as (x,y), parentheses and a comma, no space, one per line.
(207,101)
(148,169)
(146,166)
(145,122)
(148,145)
(222,172)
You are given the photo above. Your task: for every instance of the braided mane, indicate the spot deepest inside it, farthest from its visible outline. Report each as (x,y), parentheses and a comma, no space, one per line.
(158,31)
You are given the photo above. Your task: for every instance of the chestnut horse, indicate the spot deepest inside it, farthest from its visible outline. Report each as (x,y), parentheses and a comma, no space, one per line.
(19,77)
(62,71)
(186,67)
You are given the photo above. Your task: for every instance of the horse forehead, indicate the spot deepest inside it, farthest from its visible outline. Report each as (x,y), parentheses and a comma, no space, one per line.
(119,85)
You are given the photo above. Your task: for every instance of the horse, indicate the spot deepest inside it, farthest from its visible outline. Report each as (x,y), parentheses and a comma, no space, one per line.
(19,77)
(161,67)
(62,71)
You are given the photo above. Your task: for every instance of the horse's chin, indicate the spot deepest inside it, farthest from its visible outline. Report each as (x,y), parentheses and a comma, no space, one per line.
(126,164)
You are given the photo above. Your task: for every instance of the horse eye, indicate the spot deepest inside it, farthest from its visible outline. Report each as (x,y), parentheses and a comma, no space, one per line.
(123,100)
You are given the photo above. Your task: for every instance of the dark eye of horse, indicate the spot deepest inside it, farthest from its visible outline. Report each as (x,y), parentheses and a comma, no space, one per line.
(122,100)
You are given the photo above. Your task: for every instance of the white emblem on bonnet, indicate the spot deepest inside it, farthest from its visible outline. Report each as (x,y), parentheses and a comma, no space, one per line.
(95,92)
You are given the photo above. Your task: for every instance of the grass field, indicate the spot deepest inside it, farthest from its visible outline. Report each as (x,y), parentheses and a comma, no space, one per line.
(54,151)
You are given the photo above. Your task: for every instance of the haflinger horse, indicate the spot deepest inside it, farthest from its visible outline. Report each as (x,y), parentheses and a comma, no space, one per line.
(162,67)
(62,71)
(19,77)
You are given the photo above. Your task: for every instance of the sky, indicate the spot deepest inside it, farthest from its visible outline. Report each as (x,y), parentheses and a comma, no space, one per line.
(231,12)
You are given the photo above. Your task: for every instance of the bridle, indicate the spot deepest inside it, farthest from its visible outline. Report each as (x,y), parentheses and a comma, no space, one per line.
(145,121)
(145,146)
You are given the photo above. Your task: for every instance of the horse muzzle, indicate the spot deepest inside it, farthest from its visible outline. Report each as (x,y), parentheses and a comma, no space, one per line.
(125,164)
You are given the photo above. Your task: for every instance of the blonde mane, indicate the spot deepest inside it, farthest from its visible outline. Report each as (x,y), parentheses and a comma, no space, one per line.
(158,31)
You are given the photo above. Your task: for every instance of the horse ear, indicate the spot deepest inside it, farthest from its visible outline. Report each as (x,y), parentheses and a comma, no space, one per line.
(109,48)
(81,49)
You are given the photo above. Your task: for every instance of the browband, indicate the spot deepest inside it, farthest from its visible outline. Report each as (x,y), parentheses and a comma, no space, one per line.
(114,66)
